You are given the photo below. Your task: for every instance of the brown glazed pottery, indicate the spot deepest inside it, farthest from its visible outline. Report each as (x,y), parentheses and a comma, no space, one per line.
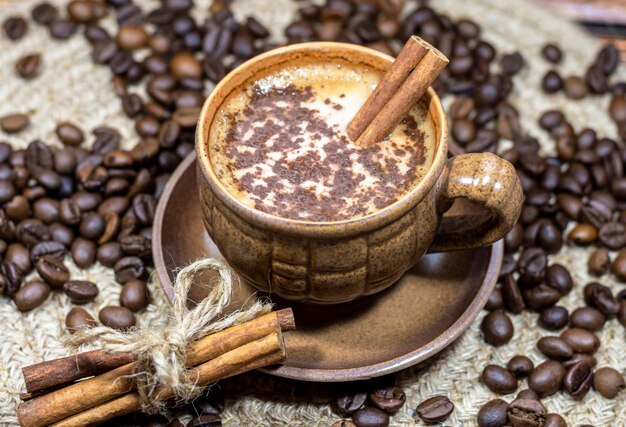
(426,310)
(333,262)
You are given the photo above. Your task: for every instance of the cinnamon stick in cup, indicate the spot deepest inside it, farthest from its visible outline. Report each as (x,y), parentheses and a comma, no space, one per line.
(414,70)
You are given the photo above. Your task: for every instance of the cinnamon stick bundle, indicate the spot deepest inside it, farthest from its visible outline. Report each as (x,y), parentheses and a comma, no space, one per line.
(238,349)
(414,70)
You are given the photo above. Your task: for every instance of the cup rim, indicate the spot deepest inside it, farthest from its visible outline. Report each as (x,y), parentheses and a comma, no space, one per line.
(303,227)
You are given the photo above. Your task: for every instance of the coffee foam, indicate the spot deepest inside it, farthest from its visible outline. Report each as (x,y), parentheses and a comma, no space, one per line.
(279,145)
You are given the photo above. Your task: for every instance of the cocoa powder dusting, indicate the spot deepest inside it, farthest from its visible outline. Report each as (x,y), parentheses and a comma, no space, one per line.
(268,134)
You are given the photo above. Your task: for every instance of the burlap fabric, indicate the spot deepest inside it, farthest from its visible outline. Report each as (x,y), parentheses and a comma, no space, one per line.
(72,88)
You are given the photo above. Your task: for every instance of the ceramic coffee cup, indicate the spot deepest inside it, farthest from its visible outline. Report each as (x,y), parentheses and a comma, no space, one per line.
(332,262)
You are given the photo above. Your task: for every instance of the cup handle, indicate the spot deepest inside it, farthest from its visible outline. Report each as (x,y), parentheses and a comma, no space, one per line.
(487,181)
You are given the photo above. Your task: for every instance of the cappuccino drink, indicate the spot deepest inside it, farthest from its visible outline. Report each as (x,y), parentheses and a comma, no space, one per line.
(279,144)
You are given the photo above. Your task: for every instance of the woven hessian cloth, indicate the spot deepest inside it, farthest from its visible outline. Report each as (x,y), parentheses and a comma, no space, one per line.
(72,88)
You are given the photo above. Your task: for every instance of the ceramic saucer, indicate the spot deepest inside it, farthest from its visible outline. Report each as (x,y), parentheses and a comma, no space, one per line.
(421,314)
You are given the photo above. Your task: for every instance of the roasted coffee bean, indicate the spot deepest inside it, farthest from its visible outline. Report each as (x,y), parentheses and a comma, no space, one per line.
(370,417)
(497,328)
(95,33)
(554,318)
(69,134)
(618,268)
(112,225)
(531,266)
(613,235)
(495,301)
(527,394)
(550,238)
(44,13)
(134,295)
(91,226)
(512,63)
(520,366)
(435,409)
(13,123)
(498,379)
(15,27)
(587,318)
(80,291)
(30,232)
(46,209)
(608,382)
(62,29)
(389,399)
(107,139)
(575,87)
(540,297)
(526,413)
(92,177)
(31,295)
(186,117)
(86,201)
(207,420)
(493,414)
(552,53)
(555,348)
(69,212)
(49,248)
(83,252)
(12,277)
(599,262)
(513,239)
(583,234)
(61,234)
(348,403)
(128,225)
(109,253)
(28,66)
(117,317)
(131,37)
(581,340)
(185,65)
(53,271)
(132,105)
(19,255)
(7,191)
(546,378)
(18,208)
(463,131)
(601,297)
(512,295)
(144,206)
(551,82)
(78,318)
(559,278)
(570,205)
(117,205)
(128,268)
(578,379)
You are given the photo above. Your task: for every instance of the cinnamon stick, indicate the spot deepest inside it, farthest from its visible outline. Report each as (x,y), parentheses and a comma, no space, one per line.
(408,58)
(404,98)
(267,350)
(48,374)
(83,395)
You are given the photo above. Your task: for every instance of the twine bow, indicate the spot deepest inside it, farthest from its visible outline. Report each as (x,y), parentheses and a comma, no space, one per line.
(160,348)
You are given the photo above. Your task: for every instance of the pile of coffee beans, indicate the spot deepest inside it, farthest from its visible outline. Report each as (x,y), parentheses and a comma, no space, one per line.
(95,202)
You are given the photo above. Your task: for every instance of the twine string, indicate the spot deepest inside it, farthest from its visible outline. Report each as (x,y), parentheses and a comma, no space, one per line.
(160,349)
